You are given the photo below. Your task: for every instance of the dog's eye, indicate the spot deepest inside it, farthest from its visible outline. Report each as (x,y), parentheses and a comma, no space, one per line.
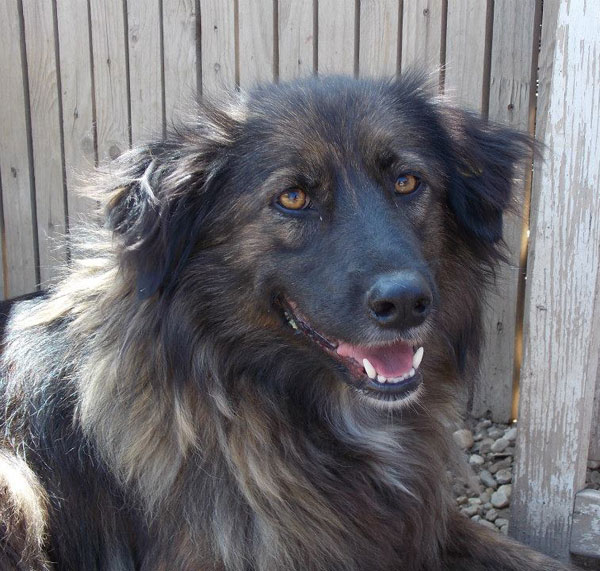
(407,183)
(295,199)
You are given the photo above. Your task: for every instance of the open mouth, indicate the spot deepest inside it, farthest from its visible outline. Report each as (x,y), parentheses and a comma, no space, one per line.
(386,372)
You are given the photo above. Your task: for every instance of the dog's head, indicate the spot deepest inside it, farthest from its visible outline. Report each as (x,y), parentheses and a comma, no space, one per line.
(351,221)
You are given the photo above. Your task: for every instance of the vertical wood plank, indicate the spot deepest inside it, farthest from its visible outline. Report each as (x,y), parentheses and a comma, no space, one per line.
(181,76)
(510,103)
(145,69)
(218,45)
(378,45)
(337,37)
(110,78)
(14,159)
(562,317)
(465,52)
(296,38)
(45,132)
(594,450)
(77,107)
(422,34)
(256,51)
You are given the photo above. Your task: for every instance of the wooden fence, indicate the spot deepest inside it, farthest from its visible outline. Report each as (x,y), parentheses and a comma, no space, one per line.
(82,80)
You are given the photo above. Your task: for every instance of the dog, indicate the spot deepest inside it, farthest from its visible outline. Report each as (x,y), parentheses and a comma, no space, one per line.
(253,360)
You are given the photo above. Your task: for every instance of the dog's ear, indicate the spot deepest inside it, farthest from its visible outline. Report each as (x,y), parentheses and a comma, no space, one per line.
(483,164)
(160,196)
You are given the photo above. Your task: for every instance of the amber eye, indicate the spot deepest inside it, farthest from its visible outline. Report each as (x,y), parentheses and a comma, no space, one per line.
(295,199)
(407,183)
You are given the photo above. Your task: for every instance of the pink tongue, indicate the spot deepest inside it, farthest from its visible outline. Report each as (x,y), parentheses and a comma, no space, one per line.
(389,360)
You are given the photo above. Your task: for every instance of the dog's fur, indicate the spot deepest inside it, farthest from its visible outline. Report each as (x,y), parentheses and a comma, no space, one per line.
(158,411)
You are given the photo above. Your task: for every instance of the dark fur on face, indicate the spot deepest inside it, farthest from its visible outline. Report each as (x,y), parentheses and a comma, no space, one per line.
(191,395)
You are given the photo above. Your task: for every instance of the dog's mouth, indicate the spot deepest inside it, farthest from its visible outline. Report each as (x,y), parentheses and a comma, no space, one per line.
(386,372)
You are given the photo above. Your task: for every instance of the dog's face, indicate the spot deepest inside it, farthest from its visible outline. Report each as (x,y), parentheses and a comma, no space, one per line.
(348,211)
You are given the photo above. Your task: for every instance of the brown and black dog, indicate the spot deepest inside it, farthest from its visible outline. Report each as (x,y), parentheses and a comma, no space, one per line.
(253,363)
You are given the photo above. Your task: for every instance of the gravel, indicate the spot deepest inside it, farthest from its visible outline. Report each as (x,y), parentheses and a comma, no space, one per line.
(484,495)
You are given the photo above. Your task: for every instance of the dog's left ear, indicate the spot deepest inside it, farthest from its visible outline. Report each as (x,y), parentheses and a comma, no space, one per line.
(483,165)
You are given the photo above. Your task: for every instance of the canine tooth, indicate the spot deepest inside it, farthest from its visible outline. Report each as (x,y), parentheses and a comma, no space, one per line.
(370,370)
(381,379)
(411,373)
(417,358)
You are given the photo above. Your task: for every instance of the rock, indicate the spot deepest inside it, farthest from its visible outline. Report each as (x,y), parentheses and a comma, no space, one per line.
(501,497)
(476,460)
(488,524)
(488,480)
(475,501)
(485,497)
(504,463)
(499,445)
(461,500)
(511,434)
(470,510)
(485,445)
(504,476)
(491,515)
(495,432)
(504,529)
(595,477)
(593,464)
(464,438)
(480,435)
(476,518)
(501,522)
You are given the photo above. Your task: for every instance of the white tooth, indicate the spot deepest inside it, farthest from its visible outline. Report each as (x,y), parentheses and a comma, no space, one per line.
(417,357)
(381,379)
(370,370)
(410,374)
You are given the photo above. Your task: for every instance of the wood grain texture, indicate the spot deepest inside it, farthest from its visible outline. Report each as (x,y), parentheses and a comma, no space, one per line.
(180,25)
(594,450)
(422,22)
(510,103)
(296,38)
(145,69)
(77,107)
(465,52)
(45,133)
(18,246)
(585,535)
(256,51)
(110,78)
(379,40)
(562,317)
(218,45)
(337,37)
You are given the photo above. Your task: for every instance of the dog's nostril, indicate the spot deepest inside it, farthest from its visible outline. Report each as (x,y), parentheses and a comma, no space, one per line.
(383,308)
(422,305)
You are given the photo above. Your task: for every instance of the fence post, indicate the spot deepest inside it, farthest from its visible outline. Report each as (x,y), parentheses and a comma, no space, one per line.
(562,323)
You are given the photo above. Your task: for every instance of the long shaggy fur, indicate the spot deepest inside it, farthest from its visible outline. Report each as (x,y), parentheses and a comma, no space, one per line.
(162,415)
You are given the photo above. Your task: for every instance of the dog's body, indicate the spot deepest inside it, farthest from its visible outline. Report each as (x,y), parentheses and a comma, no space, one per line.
(194,394)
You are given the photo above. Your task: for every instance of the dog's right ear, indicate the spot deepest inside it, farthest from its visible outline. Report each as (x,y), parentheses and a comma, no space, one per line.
(159,197)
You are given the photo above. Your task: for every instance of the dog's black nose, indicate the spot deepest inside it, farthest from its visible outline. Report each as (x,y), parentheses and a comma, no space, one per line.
(400,299)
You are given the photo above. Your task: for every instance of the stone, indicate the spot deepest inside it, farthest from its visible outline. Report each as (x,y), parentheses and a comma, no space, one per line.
(488,480)
(476,518)
(491,515)
(501,522)
(511,434)
(593,464)
(475,501)
(470,510)
(499,445)
(595,477)
(501,497)
(485,445)
(504,476)
(504,463)
(461,500)
(476,460)
(464,438)
(485,497)
(488,524)
(495,432)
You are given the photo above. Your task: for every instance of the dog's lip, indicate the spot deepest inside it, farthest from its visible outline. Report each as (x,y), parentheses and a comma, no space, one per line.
(398,359)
